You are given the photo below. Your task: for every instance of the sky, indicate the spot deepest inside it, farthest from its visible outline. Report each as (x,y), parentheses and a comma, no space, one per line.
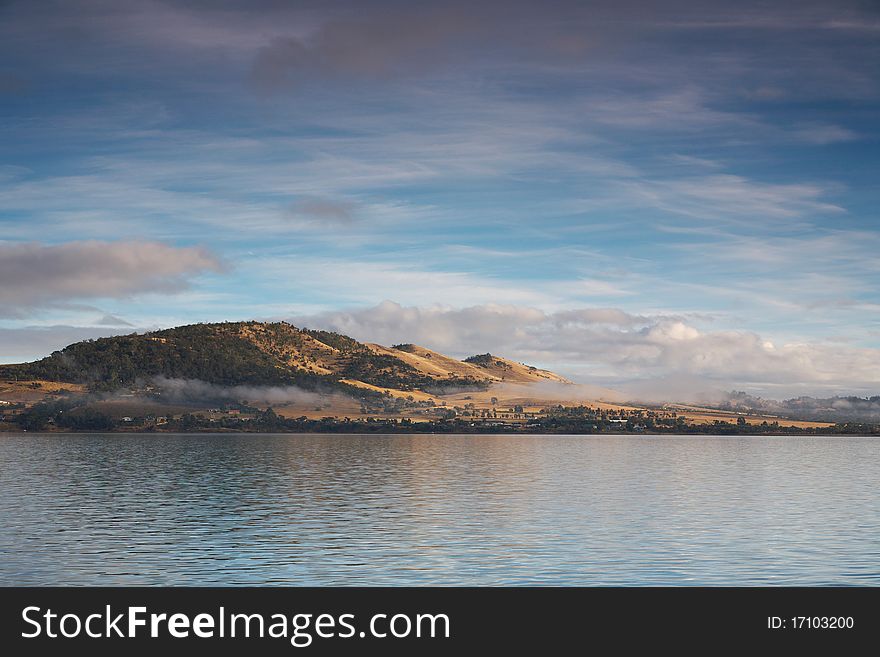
(665,198)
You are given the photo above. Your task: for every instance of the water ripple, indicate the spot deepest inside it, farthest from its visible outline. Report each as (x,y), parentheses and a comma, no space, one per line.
(485,510)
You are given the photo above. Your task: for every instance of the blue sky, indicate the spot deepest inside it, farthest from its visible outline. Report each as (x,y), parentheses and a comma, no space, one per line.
(659,197)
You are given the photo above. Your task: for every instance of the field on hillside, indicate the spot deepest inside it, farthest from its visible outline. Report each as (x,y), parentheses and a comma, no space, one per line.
(30,392)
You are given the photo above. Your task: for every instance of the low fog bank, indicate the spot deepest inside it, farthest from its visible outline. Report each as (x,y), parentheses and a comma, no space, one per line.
(699,392)
(820,409)
(829,409)
(673,390)
(195,391)
(559,392)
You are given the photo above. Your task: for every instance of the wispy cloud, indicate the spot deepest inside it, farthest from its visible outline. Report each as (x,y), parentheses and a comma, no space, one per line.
(323,210)
(731,197)
(112,320)
(822,134)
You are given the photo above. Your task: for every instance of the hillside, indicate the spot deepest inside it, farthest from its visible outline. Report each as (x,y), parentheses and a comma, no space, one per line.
(508,371)
(483,367)
(267,354)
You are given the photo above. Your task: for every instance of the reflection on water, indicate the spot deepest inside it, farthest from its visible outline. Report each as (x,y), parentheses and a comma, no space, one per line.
(385,510)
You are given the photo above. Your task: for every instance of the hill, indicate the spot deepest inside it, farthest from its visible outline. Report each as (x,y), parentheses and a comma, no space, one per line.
(267,354)
(511,372)
(235,376)
(829,409)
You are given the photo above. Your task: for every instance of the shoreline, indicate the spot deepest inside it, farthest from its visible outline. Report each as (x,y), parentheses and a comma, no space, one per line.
(715,434)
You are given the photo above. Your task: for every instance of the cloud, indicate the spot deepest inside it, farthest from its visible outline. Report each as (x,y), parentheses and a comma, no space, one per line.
(36,275)
(598,288)
(564,135)
(348,280)
(821,134)
(685,109)
(324,210)
(9,172)
(731,197)
(462,331)
(366,44)
(195,390)
(648,357)
(657,356)
(691,162)
(557,391)
(112,320)
(396,39)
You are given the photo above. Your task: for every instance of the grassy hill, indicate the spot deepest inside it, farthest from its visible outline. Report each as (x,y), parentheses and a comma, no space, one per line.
(511,372)
(257,353)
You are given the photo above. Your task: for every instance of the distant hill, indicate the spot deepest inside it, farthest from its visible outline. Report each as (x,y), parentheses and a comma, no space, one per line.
(829,409)
(276,354)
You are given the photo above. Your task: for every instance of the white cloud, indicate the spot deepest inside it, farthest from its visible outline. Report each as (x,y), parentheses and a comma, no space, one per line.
(36,275)
(612,347)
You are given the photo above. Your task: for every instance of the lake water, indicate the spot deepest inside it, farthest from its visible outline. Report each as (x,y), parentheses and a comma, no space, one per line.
(421,509)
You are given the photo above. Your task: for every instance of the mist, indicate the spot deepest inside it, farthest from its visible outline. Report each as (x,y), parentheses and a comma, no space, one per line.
(829,409)
(193,390)
(556,391)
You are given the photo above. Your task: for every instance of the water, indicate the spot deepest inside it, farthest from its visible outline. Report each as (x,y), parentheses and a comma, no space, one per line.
(484,510)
